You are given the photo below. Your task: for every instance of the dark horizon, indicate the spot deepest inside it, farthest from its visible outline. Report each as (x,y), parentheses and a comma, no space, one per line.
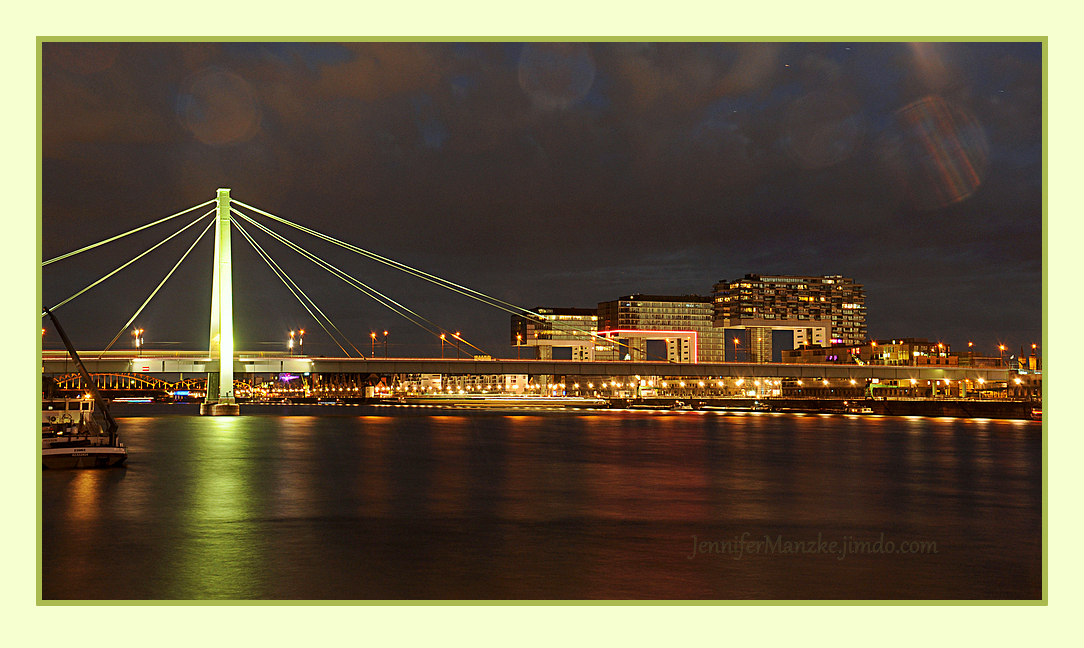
(548,174)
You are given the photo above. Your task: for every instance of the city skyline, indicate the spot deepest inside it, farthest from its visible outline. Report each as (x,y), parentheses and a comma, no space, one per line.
(553,174)
(563,180)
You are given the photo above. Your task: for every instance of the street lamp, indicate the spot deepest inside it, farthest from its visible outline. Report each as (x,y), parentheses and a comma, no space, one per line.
(372,350)
(137,333)
(442,339)
(735,349)
(457,339)
(301,342)
(290,344)
(385,345)
(1001,356)
(519,340)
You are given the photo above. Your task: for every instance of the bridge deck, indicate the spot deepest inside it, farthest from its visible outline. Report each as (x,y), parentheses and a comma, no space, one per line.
(55,363)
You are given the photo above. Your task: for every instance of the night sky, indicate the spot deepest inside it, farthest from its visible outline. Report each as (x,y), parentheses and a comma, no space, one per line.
(546,174)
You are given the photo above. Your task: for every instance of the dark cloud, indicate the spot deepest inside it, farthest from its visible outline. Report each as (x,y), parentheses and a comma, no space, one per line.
(551,175)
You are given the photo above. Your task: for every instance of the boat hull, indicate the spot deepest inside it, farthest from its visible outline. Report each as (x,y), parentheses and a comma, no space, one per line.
(91,457)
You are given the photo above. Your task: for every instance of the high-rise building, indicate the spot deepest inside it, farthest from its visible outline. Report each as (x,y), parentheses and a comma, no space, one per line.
(557,333)
(819,311)
(758,344)
(659,328)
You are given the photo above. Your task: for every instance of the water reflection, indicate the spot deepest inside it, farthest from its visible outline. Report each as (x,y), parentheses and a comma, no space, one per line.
(218,553)
(544,505)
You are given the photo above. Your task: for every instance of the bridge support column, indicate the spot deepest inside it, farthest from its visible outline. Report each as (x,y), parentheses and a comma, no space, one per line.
(220,398)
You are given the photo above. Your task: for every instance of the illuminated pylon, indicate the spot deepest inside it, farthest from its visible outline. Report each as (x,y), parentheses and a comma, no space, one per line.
(220,398)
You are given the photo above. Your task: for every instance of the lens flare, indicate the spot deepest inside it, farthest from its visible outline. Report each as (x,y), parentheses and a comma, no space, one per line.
(930,65)
(556,75)
(219,107)
(938,151)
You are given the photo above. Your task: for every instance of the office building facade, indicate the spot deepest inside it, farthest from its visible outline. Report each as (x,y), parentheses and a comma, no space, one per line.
(659,328)
(818,311)
(556,334)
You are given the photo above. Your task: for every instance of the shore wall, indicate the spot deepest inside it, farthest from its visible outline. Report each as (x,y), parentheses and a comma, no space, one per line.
(960,408)
(955,408)
(940,407)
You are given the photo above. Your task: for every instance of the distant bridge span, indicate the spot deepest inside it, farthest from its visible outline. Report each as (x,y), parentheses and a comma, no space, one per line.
(55,363)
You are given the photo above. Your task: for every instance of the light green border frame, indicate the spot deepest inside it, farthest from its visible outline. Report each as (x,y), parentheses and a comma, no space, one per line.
(602,39)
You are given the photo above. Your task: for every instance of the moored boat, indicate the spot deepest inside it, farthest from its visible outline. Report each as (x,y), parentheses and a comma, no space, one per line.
(70,436)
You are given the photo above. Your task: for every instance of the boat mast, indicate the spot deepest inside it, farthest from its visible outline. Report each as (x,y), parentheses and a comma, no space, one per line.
(111,424)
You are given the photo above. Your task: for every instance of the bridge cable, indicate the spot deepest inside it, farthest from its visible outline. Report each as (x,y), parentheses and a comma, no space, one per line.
(450,285)
(133,260)
(444,283)
(119,236)
(369,291)
(287,280)
(291,285)
(155,291)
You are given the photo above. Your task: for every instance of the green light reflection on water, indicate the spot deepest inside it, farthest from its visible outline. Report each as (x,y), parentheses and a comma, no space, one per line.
(219,553)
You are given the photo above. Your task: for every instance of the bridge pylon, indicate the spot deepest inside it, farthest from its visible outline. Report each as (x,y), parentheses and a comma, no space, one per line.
(220,399)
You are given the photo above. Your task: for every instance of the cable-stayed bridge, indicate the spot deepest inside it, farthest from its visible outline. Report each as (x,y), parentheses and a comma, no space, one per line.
(222,361)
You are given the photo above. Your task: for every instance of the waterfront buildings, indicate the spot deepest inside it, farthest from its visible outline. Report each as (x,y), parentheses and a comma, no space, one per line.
(906,352)
(817,311)
(410,384)
(898,352)
(652,328)
(834,354)
(660,328)
(556,333)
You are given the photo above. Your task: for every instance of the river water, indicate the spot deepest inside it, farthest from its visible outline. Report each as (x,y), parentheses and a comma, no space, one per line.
(395,503)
